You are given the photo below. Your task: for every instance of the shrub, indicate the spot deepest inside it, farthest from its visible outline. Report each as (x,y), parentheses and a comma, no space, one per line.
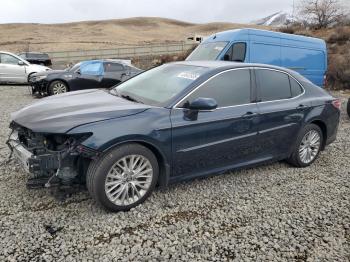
(340,36)
(338,75)
(287,30)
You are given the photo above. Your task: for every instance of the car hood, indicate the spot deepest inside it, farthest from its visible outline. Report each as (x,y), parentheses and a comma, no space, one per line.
(50,72)
(39,68)
(60,113)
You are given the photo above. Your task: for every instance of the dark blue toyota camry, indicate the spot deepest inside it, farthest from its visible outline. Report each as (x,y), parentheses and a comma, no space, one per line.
(178,121)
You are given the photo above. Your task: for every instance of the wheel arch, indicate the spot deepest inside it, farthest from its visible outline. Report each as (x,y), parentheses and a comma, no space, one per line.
(322,125)
(31,73)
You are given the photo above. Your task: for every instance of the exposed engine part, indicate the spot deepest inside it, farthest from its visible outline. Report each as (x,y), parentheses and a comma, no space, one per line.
(50,157)
(35,183)
(67,175)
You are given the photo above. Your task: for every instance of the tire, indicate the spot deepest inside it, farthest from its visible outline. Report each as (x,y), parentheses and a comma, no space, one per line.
(108,184)
(298,157)
(30,76)
(57,87)
(348,107)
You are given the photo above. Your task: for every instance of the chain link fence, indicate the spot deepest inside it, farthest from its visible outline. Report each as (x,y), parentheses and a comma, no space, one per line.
(143,55)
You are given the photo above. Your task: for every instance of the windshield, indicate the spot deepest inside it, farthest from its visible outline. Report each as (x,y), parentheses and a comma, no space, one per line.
(74,67)
(159,85)
(207,51)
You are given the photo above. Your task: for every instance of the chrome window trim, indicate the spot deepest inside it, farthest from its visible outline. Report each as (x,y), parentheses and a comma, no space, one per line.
(280,71)
(220,73)
(243,68)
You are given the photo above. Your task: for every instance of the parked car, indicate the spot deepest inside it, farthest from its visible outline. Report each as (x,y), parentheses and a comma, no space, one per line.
(14,69)
(176,122)
(36,58)
(84,75)
(306,55)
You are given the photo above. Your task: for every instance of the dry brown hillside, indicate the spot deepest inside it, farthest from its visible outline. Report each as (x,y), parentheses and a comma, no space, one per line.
(102,34)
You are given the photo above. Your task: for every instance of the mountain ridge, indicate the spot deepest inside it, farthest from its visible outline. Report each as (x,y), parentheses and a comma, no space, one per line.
(112,33)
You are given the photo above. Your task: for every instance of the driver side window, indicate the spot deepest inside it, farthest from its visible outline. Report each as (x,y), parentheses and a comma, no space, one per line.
(8,59)
(92,68)
(237,52)
(228,89)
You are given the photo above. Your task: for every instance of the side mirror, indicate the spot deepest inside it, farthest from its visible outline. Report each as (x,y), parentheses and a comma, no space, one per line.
(21,63)
(226,57)
(202,103)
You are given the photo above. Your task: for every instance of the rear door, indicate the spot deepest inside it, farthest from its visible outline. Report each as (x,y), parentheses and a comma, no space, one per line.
(308,62)
(10,70)
(281,111)
(215,140)
(114,73)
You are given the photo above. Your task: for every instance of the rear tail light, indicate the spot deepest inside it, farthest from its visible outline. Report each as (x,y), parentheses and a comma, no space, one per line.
(336,103)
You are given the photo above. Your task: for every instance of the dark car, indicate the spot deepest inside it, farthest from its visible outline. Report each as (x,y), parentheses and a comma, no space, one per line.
(36,58)
(84,75)
(176,122)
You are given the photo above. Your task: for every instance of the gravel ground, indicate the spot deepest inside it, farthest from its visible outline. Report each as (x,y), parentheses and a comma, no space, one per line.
(269,213)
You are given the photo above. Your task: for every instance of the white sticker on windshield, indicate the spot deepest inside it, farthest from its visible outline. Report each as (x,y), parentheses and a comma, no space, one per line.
(219,48)
(188,75)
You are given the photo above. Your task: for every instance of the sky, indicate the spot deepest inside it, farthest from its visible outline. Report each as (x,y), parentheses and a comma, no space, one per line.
(198,11)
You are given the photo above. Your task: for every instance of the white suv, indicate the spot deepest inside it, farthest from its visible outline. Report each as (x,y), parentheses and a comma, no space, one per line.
(14,69)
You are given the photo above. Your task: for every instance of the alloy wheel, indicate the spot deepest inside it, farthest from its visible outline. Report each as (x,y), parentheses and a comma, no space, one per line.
(310,146)
(128,180)
(59,88)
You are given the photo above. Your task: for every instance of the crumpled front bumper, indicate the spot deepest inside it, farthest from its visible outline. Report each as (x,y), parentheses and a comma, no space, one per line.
(31,163)
(38,86)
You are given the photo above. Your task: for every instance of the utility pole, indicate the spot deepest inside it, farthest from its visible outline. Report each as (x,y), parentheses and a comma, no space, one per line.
(293,10)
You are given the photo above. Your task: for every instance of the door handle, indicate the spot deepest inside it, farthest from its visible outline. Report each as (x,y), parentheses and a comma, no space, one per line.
(249,114)
(301,106)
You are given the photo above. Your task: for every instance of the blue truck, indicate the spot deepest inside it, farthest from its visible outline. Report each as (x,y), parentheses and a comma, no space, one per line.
(306,55)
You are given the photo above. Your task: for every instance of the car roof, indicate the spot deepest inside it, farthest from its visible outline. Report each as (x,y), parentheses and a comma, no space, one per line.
(225,65)
(4,52)
(119,61)
(230,35)
(36,53)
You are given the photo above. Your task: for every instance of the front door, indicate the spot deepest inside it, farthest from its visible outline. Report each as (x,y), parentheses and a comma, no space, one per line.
(211,141)
(10,70)
(89,76)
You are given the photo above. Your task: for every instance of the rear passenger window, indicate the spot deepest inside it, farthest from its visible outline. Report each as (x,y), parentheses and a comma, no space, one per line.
(228,89)
(295,87)
(273,85)
(113,67)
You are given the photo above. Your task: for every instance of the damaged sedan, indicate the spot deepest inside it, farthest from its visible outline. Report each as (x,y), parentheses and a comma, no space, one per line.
(84,75)
(172,123)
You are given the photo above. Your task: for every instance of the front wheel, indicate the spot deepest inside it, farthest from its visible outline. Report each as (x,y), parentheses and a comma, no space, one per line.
(57,87)
(123,178)
(308,146)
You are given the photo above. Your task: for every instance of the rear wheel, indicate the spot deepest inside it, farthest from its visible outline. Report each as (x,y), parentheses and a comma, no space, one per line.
(308,146)
(57,87)
(123,178)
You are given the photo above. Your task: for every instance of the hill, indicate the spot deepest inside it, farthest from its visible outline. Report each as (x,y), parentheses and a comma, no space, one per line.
(103,34)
